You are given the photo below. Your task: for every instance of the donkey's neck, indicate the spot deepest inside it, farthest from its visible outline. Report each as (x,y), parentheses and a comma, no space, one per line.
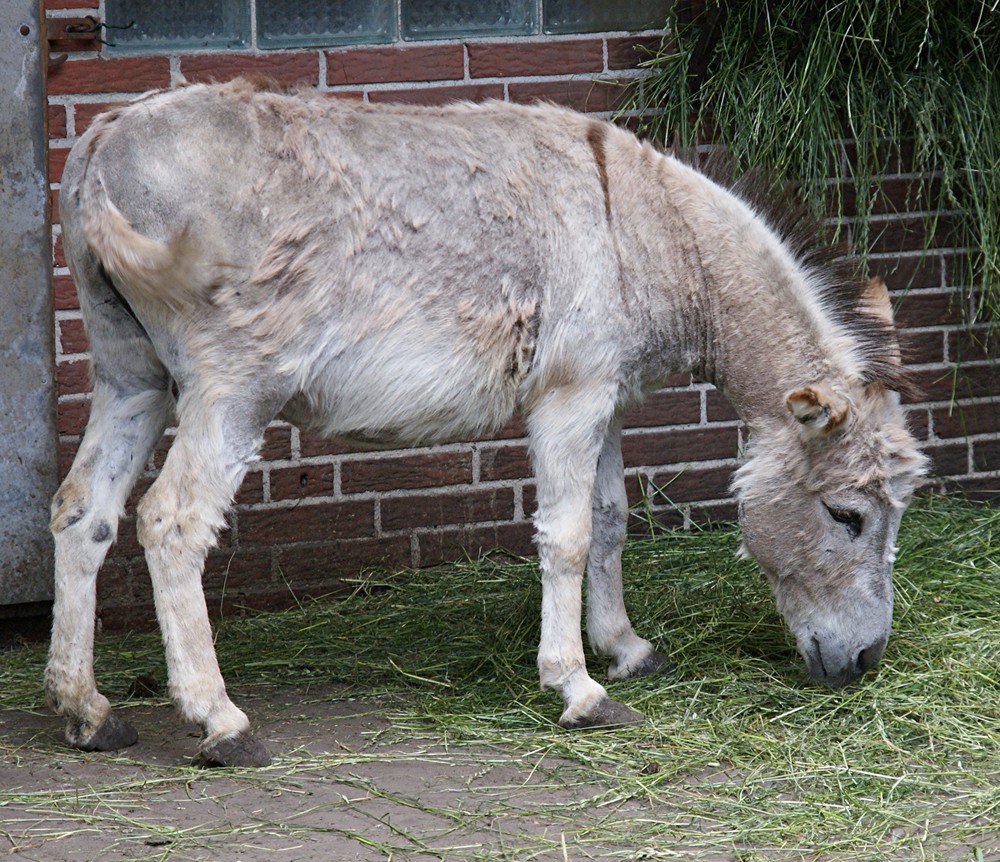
(748,317)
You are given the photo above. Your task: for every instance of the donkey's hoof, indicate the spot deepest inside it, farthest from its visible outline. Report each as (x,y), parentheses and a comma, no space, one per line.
(240,750)
(654,663)
(607,713)
(114,733)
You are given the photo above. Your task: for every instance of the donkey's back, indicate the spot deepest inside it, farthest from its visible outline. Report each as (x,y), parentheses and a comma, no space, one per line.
(412,275)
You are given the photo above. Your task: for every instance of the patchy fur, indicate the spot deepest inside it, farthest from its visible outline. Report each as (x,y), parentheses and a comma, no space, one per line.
(411,275)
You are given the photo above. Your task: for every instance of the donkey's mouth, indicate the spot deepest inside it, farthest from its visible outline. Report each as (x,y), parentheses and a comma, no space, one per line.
(834,666)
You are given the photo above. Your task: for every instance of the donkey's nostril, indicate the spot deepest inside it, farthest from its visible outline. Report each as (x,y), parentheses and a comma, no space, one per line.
(869,657)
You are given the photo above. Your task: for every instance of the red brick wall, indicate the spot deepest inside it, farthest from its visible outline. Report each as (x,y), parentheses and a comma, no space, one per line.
(313,511)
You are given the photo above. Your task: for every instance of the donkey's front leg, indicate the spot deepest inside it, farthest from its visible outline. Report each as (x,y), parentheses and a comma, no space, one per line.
(178,521)
(608,626)
(564,449)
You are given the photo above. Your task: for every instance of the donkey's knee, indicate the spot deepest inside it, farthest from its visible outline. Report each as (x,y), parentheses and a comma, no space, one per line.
(170,519)
(74,511)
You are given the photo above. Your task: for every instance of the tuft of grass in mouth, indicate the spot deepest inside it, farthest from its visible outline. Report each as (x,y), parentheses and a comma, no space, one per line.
(739,755)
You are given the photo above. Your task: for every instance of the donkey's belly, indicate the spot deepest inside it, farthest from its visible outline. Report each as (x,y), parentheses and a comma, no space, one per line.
(405,399)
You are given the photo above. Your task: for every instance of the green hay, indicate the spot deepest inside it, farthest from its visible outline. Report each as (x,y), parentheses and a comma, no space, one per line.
(739,755)
(782,85)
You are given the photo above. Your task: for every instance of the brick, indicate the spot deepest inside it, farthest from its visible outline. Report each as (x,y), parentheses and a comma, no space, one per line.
(65,453)
(73,377)
(127,542)
(688,486)
(948,459)
(523,59)
(449,545)
(717,513)
(984,489)
(974,346)
(911,234)
(57,121)
(65,293)
(948,384)
(286,69)
(84,113)
(464,507)
(138,616)
(892,195)
(305,480)
(252,489)
(438,95)
(922,347)
(962,421)
(317,522)
(918,422)
(418,470)
(892,157)
(73,415)
(529,498)
(229,570)
(628,52)
(986,456)
(929,308)
(909,273)
(70,4)
(680,446)
(318,570)
(665,408)
(503,462)
(588,95)
(58,255)
(277,444)
(72,336)
(642,522)
(54,204)
(122,75)
(387,65)
(718,408)
(314,446)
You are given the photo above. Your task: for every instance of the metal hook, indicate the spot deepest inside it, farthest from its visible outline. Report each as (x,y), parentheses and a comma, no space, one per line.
(95,27)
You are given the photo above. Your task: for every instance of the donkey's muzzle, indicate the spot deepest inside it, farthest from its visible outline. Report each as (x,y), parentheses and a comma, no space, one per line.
(836,665)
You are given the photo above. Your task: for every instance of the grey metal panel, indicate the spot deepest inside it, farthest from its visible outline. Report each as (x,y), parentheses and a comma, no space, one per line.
(28,437)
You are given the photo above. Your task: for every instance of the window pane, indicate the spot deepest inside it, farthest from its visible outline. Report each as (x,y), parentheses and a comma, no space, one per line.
(433,19)
(283,23)
(179,24)
(591,16)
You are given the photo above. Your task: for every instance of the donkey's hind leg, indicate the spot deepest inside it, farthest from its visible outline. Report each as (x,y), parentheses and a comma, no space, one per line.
(608,627)
(179,519)
(122,430)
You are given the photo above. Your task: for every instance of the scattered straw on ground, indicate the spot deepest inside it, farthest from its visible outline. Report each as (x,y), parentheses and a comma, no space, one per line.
(740,758)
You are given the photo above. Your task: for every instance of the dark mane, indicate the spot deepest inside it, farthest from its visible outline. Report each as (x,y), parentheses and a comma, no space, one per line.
(813,244)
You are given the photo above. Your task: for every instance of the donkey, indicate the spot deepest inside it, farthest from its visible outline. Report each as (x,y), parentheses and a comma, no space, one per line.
(412,275)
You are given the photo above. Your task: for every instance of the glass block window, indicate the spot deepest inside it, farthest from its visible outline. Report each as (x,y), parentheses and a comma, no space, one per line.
(178,24)
(436,19)
(591,16)
(288,23)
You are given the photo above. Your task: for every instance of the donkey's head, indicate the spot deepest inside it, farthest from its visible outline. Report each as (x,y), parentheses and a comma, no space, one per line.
(821,497)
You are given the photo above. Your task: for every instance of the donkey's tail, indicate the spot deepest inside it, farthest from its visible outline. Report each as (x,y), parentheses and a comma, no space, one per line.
(173,273)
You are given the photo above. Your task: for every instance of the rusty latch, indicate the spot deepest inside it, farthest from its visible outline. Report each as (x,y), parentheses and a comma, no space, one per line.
(82,29)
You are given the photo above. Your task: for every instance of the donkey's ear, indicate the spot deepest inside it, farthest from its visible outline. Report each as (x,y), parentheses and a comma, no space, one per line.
(818,409)
(875,300)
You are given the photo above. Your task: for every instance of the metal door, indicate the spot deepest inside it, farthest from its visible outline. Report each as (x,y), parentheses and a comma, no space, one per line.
(28,437)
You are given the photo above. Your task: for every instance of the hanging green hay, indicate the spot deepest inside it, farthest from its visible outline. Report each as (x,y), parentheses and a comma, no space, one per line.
(783,85)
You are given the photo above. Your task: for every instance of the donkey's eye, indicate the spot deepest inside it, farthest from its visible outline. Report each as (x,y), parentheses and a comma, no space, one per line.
(851,520)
